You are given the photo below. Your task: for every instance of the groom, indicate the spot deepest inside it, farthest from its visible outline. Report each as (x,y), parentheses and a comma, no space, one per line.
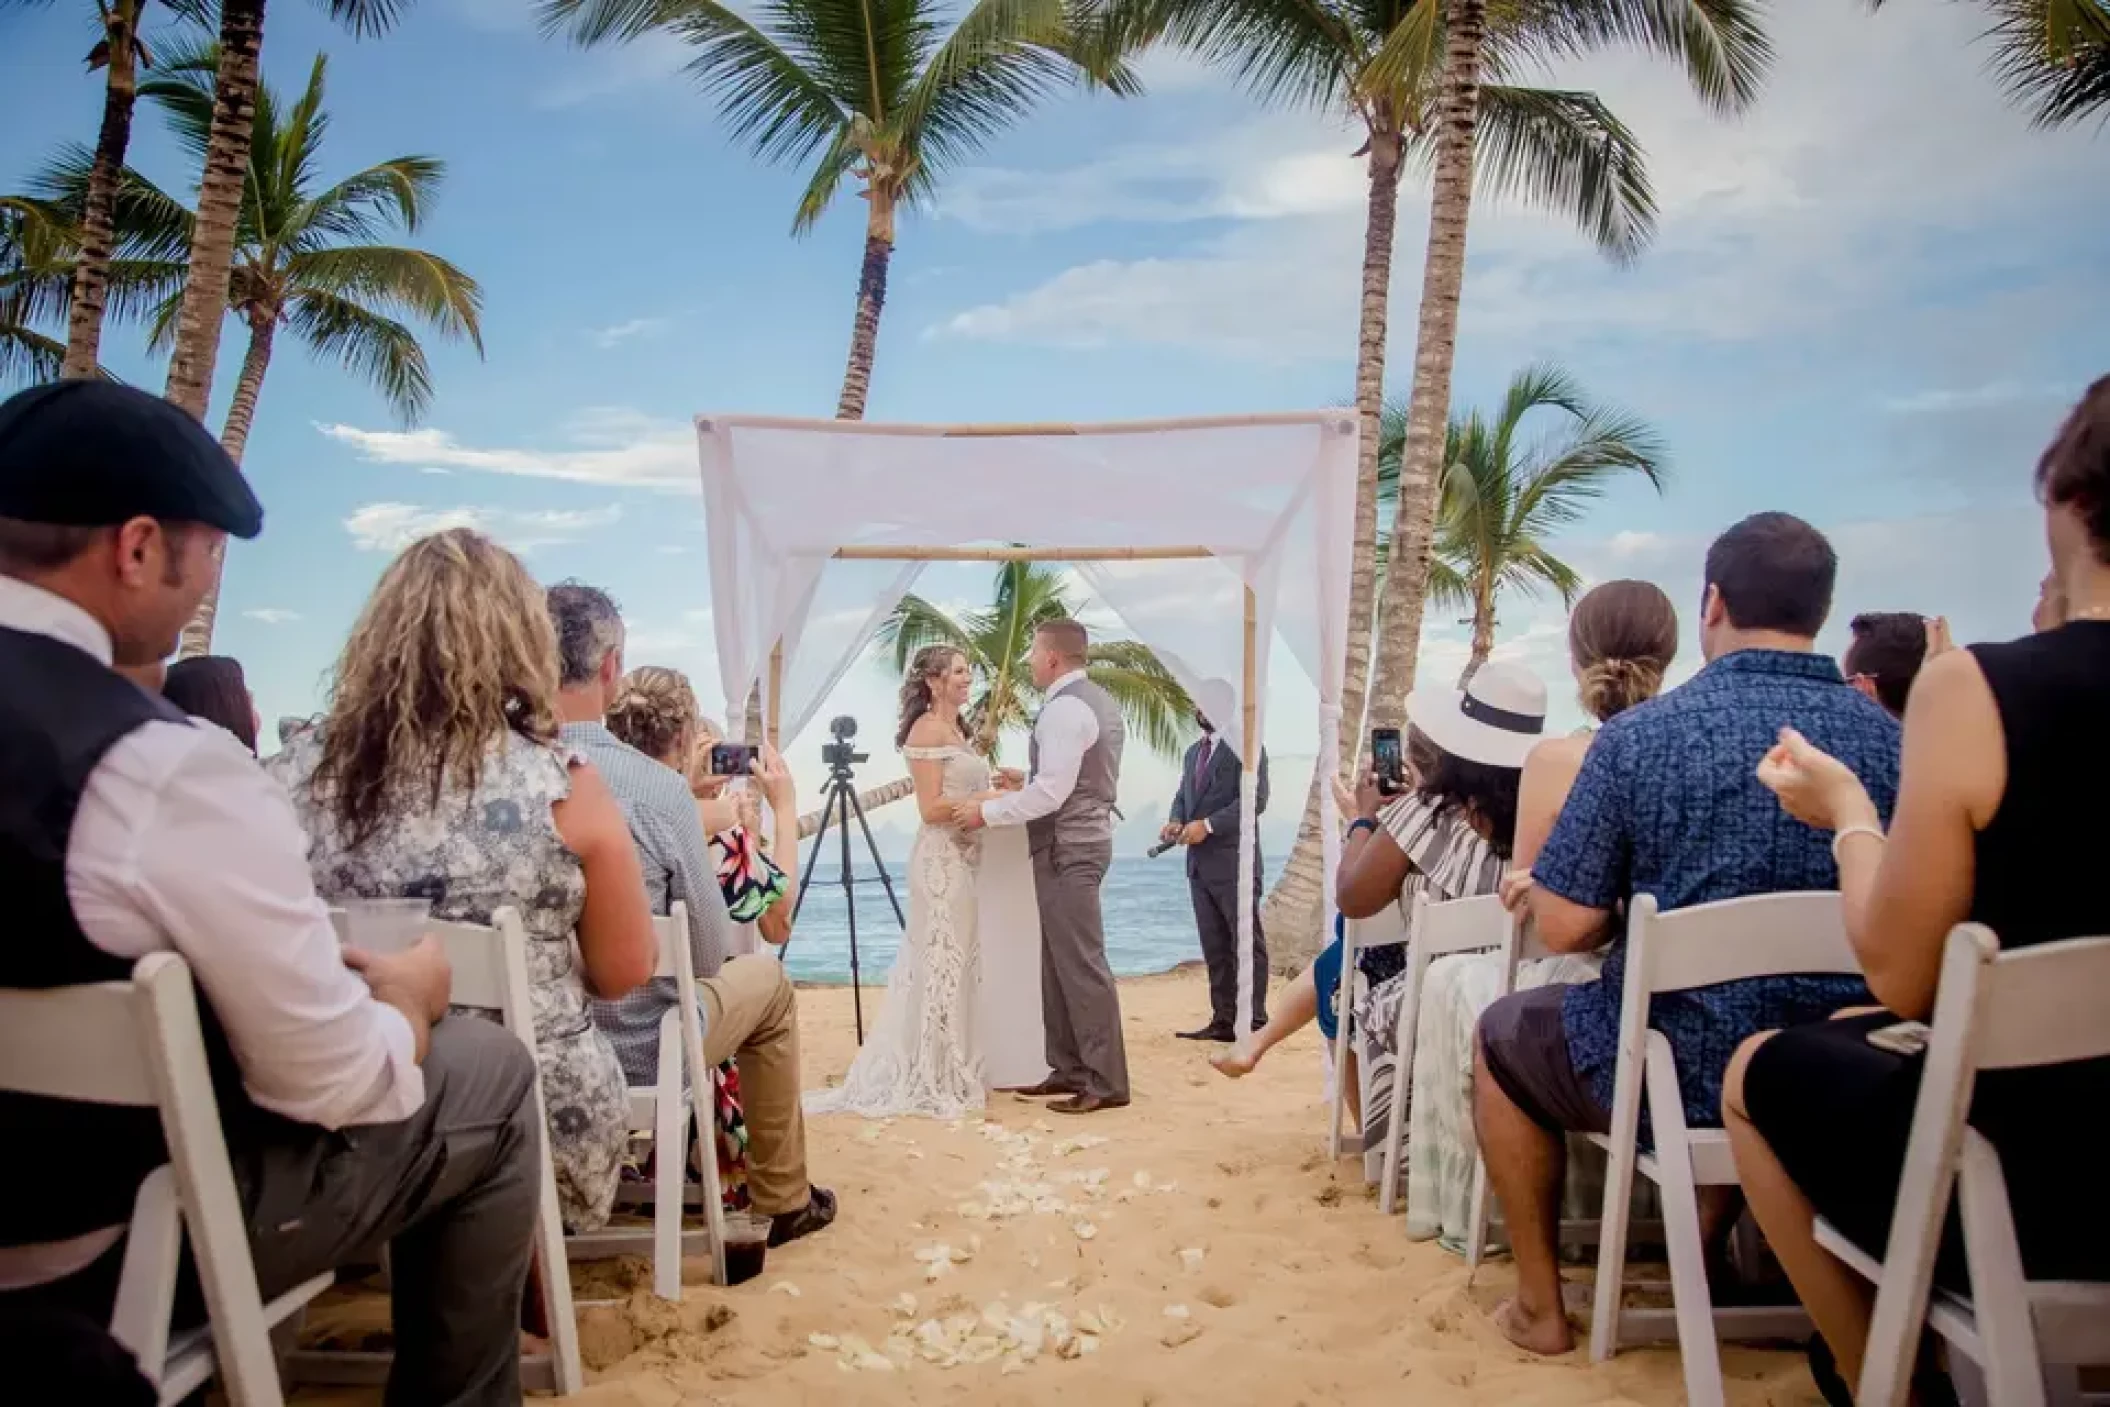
(1067,811)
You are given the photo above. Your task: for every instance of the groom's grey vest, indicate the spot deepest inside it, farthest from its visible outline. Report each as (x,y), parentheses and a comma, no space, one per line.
(1086,816)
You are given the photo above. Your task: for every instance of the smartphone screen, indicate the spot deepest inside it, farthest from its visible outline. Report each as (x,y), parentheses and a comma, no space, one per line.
(1388,760)
(732,760)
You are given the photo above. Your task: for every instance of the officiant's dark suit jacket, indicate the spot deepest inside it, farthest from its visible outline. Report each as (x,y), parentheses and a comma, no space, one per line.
(1213,797)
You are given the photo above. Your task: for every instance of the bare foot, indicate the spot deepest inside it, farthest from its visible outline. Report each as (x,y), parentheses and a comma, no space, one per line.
(1237,1062)
(1548,1335)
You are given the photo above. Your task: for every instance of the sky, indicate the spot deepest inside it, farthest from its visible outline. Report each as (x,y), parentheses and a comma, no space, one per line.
(1869,301)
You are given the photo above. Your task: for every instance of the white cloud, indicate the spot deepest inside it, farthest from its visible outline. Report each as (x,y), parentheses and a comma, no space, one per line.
(390,527)
(1877,145)
(618,333)
(608,445)
(272,615)
(1994,393)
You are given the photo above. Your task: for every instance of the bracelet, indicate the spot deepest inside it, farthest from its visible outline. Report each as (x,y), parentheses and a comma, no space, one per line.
(1362,823)
(1850,831)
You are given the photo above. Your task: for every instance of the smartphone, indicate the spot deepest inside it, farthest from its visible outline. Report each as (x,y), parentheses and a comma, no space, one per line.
(1388,760)
(732,759)
(1905,1038)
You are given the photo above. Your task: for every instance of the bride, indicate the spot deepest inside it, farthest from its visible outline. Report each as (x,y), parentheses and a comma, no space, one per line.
(923,1056)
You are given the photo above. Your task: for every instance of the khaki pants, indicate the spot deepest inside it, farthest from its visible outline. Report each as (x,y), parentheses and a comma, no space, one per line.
(751,1017)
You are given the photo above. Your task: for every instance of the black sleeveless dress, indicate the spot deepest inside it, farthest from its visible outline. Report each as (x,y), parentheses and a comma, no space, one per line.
(1838,1111)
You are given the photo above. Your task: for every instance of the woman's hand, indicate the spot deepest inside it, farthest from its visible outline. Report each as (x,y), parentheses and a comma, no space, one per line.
(1343,799)
(1515,889)
(704,784)
(1010,779)
(1813,786)
(774,780)
(1368,799)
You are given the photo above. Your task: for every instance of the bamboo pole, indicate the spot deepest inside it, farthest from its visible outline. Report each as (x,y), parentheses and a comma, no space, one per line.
(1021,554)
(870,799)
(1337,421)
(774,711)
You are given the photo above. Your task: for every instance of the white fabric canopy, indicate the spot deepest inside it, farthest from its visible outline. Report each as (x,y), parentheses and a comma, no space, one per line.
(1270,498)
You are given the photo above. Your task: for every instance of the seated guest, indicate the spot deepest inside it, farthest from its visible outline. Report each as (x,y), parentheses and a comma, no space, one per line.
(127,830)
(211,687)
(2000,740)
(1622,637)
(1666,804)
(655,712)
(1886,654)
(1447,836)
(436,774)
(750,1013)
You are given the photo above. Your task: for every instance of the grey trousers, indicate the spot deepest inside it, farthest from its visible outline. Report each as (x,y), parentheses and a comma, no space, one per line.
(452,1191)
(1079,1005)
(1216,921)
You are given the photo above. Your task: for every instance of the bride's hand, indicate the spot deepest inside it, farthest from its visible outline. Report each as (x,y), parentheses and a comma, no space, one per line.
(1010,779)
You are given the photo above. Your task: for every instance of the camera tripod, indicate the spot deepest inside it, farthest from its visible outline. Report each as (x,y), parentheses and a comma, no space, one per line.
(839,803)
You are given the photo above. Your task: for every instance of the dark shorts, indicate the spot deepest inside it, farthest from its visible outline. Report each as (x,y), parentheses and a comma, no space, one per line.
(1525,1047)
(1837,1112)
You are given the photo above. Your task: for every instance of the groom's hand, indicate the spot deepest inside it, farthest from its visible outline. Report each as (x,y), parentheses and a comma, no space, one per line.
(1010,779)
(968,815)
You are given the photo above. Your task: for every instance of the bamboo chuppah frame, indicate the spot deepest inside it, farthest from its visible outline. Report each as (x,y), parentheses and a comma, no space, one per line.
(1256,549)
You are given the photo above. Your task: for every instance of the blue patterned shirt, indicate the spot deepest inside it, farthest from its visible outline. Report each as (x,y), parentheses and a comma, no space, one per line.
(1668,803)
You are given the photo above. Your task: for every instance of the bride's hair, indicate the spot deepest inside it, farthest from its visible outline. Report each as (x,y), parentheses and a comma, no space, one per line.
(930,662)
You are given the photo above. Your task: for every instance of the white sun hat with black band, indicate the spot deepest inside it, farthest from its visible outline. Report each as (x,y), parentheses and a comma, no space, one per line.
(1496,719)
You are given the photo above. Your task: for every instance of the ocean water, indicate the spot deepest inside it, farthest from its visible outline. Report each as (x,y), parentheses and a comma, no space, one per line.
(1149,921)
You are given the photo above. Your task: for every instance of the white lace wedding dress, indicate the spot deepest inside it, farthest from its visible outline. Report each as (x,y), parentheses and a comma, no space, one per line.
(922,1056)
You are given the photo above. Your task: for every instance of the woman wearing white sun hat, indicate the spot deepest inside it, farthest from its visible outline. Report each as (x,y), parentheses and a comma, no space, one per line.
(1449,834)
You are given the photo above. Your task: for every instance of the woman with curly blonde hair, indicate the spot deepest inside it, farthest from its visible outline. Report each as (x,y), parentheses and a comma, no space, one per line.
(436,774)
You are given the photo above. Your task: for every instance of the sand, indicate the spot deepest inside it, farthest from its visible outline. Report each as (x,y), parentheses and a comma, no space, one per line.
(1300,1292)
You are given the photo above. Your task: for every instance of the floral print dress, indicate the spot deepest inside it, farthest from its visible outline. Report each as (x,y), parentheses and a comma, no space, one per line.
(473,853)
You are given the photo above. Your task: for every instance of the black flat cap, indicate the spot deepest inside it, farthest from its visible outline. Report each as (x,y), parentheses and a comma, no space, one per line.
(92,453)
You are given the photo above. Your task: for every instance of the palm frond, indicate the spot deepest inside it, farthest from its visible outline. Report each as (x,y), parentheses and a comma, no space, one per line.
(777,108)
(836,163)
(378,350)
(1002,59)
(408,282)
(1449,588)
(181,85)
(2053,57)
(1721,44)
(366,19)
(27,356)
(916,623)
(1152,703)
(148,222)
(368,205)
(1534,568)
(1408,63)
(1298,53)
(1567,153)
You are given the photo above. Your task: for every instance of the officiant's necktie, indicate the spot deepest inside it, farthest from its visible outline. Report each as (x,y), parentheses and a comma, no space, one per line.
(1201,759)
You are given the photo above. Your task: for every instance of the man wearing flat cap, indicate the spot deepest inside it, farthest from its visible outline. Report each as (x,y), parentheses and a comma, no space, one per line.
(124,830)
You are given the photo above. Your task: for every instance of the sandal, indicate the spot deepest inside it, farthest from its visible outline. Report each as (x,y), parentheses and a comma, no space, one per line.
(816,1215)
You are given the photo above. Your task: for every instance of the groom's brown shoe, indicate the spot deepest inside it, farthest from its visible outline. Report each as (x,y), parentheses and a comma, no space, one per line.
(1046,1089)
(1087,1104)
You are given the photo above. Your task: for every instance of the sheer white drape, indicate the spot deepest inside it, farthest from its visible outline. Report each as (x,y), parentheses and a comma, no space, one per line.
(1271,497)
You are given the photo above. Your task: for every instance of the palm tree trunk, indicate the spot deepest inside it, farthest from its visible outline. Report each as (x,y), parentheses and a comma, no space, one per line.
(1435,348)
(234,438)
(91,272)
(871,300)
(219,203)
(1483,643)
(1292,913)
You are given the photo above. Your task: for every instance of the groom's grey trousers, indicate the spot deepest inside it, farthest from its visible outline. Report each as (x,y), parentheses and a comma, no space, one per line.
(1079,1006)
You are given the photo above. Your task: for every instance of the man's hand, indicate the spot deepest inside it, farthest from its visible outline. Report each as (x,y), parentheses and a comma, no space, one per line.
(1010,779)
(1169,832)
(1194,833)
(967,815)
(416,982)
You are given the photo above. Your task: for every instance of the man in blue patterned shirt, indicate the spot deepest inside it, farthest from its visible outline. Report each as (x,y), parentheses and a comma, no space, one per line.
(1668,803)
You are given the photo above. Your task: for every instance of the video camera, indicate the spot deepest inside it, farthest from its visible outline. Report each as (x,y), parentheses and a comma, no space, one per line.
(841,754)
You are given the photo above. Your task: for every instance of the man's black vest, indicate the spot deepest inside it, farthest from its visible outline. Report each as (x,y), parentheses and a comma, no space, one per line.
(67,1169)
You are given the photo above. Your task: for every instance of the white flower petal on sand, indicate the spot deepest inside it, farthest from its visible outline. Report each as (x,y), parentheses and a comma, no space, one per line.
(1111,1318)
(1085,1230)
(1177,1311)
(1142,1180)
(784,1287)
(826,1342)
(1192,1258)
(904,1305)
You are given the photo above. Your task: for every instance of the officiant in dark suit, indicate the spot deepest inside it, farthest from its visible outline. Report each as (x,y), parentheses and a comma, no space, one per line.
(1204,819)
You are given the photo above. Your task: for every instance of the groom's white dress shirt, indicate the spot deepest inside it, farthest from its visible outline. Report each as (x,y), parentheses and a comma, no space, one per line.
(1066,730)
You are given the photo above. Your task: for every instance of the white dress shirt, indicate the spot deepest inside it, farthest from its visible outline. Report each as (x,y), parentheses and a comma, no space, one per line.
(1066,730)
(183,843)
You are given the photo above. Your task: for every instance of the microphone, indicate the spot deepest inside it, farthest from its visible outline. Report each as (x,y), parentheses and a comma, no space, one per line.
(1158,849)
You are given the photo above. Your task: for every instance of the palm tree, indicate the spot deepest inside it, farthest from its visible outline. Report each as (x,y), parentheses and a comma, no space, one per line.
(226,149)
(40,254)
(878,89)
(1379,62)
(998,640)
(312,261)
(1725,53)
(121,52)
(1503,498)
(2053,57)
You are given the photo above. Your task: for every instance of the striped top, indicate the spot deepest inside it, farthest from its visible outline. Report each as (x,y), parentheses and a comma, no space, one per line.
(1449,859)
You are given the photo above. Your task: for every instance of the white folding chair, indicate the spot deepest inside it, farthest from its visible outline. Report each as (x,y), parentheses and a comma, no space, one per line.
(1765,935)
(138,1043)
(662,1112)
(1995,1011)
(1383,929)
(490,975)
(1474,925)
